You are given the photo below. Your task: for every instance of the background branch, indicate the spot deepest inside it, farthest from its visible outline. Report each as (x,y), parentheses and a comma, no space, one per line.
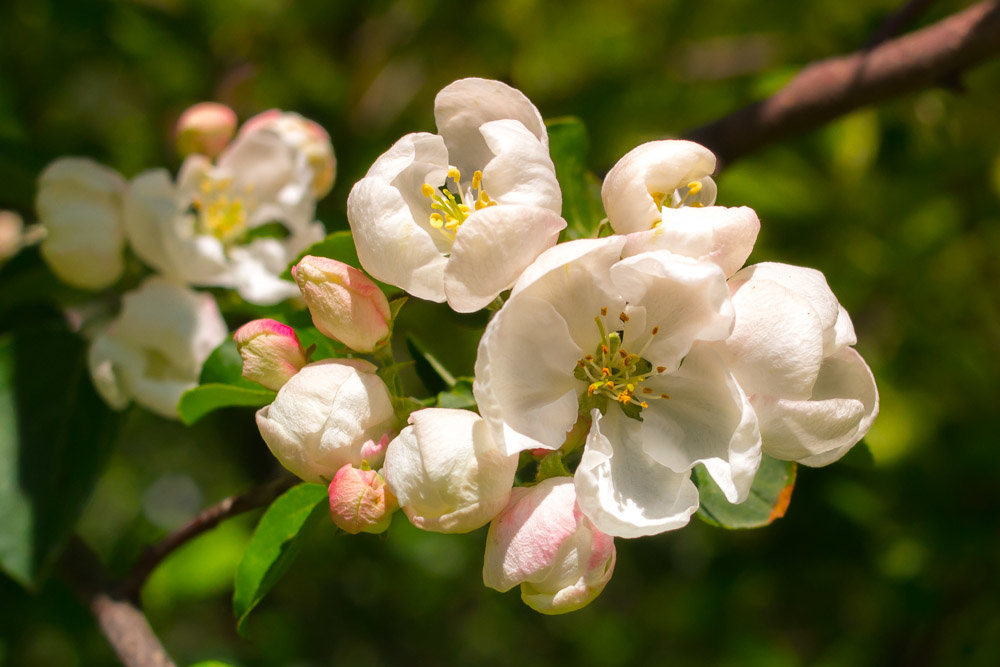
(827,89)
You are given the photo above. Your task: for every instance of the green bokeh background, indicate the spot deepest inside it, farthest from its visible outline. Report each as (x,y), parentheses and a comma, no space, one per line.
(893,561)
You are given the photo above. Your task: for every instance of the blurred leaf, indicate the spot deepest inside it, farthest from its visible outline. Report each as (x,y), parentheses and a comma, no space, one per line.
(458,396)
(568,146)
(338,246)
(274,545)
(768,500)
(225,366)
(56,436)
(203,399)
(430,371)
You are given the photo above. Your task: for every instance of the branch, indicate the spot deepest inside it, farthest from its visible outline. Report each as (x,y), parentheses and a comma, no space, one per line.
(830,88)
(207,519)
(120,619)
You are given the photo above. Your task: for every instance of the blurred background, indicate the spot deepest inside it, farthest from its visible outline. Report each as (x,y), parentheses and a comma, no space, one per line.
(891,557)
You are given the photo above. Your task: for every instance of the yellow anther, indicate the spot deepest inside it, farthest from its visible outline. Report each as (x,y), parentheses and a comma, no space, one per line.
(437,220)
(630,387)
(647,390)
(463,208)
(623,317)
(609,384)
(660,369)
(696,204)
(694,187)
(664,396)
(454,174)
(643,404)
(658,198)
(604,312)
(477,179)
(427,189)
(606,372)
(624,397)
(654,331)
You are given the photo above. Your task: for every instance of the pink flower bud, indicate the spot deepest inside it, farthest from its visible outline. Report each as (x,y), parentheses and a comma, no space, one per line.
(271,352)
(360,501)
(345,304)
(11,228)
(305,136)
(205,128)
(543,542)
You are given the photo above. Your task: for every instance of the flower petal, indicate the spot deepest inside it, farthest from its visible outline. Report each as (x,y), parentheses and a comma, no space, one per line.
(623,491)
(462,107)
(820,430)
(657,166)
(519,170)
(492,247)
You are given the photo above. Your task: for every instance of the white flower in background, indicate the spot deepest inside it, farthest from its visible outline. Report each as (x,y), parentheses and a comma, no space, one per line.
(447,472)
(622,343)
(324,415)
(307,137)
(457,216)
(205,128)
(79,204)
(543,542)
(236,223)
(661,193)
(153,351)
(814,395)
(11,235)
(271,352)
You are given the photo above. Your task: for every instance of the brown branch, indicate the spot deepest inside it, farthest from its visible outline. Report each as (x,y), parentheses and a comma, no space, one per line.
(119,618)
(205,520)
(830,88)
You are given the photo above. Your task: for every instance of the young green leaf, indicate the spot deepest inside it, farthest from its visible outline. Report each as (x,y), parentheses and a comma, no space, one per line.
(274,545)
(568,146)
(205,398)
(768,500)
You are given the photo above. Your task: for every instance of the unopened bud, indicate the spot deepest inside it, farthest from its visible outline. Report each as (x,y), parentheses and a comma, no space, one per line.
(271,352)
(305,136)
(345,304)
(205,128)
(11,228)
(360,501)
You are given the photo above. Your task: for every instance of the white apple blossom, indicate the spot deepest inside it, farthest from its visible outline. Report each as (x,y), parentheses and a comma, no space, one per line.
(79,204)
(236,223)
(447,472)
(324,416)
(543,542)
(661,193)
(307,138)
(457,216)
(623,343)
(153,351)
(790,349)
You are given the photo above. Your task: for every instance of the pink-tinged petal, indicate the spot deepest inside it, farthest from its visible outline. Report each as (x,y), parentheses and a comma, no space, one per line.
(683,299)
(492,247)
(654,167)
(520,170)
(524,384)
(776,347)
(622,490)
(462,107)
(447,472)
(706,419)
(271,352)
(360,501)
(820,429)
(725,236)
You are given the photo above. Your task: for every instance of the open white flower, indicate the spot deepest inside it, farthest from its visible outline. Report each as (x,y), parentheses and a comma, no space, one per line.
(457,216)
(236,223)
(790,349)
(623,344)
(661,193)
(154,350)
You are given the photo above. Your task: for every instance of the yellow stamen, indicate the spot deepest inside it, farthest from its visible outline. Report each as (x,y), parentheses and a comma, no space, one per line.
(454,174)
(694,187)
(437,220)
(427,189)
(477,179)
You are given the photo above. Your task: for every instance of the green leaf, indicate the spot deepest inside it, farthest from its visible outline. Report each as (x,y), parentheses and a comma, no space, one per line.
(274,545)
(338,246)
(568,146)
(429,369)
(458,396)
(768,500)
(203,399)
(225,366)
(56,435)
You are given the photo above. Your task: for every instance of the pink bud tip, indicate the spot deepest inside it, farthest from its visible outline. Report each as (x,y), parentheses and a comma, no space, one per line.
(205,128)
(271,352)
(360,501)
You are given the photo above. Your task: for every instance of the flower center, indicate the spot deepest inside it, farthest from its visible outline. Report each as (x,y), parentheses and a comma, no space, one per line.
(695,194)
(219,213)
(613,372)
(450,211)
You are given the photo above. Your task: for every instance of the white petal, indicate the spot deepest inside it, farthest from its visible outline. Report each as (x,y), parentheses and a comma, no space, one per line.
(392,247)
(150,208)
(462,107)
(776,347)
(604,252)
(687,300)
(707,419)
(623,491)
(524,383)
(657,166)
(808,283)
(262,162)
(492,247)
(521,171)
(255,270)
(820,430)
(840,335)
(716,234)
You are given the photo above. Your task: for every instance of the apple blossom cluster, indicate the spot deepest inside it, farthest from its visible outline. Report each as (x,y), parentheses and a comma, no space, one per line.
(237,213)
(611,367)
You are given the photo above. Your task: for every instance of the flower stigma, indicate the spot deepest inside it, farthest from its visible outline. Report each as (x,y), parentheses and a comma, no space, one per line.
(613,372)
(450,209)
